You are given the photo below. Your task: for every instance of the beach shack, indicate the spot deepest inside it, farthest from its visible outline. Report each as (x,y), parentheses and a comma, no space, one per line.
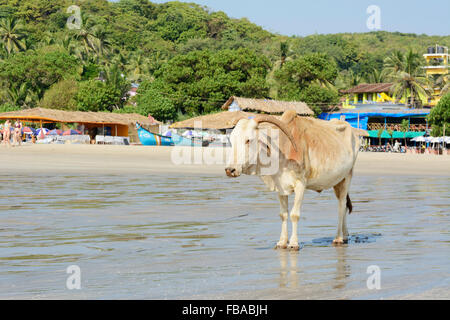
(234,109)
(266,106)
(237,108)
(366,95)
(388,119)
(94,124)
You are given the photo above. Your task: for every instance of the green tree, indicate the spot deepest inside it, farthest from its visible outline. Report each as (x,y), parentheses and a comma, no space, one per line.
(11,33)
(151,101)
(7,107)
(21,96)
(201,81)
(308,78)
(39,69)
(407,76)
(61,96)
(95,95)
(440,116)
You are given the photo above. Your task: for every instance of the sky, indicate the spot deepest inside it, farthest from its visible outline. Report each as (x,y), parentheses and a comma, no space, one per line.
(305,17)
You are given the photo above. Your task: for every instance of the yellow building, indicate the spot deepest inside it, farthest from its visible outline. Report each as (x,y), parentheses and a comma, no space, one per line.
(369,94)
(437,64)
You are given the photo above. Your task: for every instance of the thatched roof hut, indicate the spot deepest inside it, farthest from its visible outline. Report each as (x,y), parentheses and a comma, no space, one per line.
(267,106)
(50,115)
(221,120)
(120,124)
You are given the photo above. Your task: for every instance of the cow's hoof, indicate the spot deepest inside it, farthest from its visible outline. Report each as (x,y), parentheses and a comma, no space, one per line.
(339,241)
(281,245)
(294,247)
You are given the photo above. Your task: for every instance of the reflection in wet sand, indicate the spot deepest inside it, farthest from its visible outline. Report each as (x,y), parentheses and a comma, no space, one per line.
(288,268)
(342,268)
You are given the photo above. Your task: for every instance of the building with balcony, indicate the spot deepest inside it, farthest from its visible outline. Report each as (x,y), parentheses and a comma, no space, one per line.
(366,95)
(438,62)
(387,118)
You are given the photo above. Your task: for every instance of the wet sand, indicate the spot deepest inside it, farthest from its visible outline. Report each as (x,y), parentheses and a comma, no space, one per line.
(140,227)
(140,159)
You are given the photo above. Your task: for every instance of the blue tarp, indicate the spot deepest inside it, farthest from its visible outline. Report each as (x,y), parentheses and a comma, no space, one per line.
(352,117)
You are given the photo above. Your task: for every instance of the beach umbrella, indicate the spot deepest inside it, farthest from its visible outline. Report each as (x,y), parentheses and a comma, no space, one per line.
(41,133)
(71,132)
(437,140)
(55,132)
(419,139)
(447,139)
(42,130)
(187,133)
(28,130)
(168,133)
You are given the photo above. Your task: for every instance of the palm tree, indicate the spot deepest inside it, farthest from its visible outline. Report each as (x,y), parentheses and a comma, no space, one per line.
(379,133)
(115,78)
(86,35)
(404,127)
(407,76)
(393,63)
(442,83)
(284,50)
(100,41)
(405,83)
(11,34)
(139,68)
(21,96)
(376,76)
(347,79)
(68,44)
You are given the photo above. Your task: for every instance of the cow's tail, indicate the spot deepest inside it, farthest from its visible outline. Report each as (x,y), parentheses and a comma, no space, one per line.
(349,204)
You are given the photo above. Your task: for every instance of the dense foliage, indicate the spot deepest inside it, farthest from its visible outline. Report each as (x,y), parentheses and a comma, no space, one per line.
(440,116)
(187,59)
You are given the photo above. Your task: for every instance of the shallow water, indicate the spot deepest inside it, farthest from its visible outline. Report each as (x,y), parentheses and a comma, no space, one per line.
(175,236)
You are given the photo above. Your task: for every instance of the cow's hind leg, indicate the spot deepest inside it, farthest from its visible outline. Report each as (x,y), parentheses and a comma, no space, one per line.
(282,244)
(341,191)
(295,215)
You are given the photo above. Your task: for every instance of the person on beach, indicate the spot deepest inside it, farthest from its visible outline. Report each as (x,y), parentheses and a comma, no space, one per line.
(396,146)
(7,133)
(18,133)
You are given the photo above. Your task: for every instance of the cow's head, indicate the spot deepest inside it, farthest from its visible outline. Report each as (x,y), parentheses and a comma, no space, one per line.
(247,145)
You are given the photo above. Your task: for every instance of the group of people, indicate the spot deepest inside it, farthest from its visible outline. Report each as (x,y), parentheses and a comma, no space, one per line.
(17,133)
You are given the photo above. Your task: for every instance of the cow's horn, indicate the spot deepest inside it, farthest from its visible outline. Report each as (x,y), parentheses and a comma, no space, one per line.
(280,124)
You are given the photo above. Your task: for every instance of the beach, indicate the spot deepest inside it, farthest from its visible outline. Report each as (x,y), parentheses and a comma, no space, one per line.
(140,227)
(145,159)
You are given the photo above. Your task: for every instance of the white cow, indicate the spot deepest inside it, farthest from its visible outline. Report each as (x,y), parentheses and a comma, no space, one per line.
(313,154)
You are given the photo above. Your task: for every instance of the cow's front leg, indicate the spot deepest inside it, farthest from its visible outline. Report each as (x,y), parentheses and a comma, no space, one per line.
(282,244)
(295,215)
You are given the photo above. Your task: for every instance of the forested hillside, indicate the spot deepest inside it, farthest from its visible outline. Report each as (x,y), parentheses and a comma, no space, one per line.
(186,59)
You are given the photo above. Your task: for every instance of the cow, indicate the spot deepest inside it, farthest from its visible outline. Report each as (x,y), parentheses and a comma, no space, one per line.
(313,154)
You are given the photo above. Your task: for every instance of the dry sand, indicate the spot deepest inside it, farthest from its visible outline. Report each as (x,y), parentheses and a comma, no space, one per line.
(144,159)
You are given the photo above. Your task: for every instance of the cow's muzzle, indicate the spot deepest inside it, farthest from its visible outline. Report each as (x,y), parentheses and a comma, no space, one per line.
(231,172)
